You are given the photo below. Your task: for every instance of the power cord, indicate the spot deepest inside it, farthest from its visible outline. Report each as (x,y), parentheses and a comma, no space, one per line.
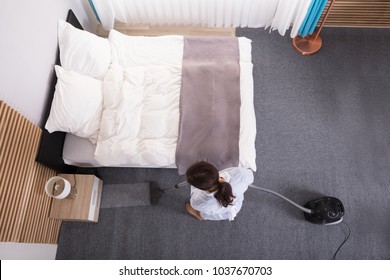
(75,180)
(345,240)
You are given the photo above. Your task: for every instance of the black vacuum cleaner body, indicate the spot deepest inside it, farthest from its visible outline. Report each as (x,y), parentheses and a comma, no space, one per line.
(325,210)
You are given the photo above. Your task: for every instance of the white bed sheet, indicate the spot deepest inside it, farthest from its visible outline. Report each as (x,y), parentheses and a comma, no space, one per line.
(80,151)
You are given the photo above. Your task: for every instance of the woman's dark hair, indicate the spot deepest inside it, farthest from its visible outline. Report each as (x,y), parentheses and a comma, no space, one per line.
(204,176)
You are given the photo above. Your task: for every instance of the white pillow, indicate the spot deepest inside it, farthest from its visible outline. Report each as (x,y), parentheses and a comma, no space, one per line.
(77,105)
(130,51)
(82,51)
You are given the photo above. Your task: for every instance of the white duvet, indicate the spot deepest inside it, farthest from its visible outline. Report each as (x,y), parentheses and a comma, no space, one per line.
(141,94)
(141,116)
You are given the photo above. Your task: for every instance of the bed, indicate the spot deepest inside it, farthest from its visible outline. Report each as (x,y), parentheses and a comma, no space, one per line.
(157,106)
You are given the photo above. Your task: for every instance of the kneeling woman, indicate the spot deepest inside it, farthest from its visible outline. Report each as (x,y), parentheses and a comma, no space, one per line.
(216,195)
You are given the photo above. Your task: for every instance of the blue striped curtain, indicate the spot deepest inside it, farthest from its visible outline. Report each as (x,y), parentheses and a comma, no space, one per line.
(312,17)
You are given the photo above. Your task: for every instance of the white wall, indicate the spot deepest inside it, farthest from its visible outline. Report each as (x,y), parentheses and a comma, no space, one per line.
(28,46)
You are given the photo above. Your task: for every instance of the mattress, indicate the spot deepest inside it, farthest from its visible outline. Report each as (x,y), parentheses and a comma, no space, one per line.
(80,151)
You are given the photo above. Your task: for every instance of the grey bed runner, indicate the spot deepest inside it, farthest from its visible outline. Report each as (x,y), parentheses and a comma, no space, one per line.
(209,103)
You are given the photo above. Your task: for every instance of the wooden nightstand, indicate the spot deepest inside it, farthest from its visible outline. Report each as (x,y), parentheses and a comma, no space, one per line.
(85,206)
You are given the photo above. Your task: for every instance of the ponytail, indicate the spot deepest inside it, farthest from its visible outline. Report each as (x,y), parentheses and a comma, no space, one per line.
(224,195)
(205,176)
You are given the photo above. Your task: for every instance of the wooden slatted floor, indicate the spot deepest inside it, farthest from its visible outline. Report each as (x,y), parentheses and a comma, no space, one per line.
(24,206)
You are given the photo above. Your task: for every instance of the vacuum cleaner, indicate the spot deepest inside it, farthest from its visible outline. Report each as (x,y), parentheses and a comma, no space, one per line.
(325,210)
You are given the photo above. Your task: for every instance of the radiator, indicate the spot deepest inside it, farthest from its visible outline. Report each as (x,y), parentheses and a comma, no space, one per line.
(24,206)
(359,13)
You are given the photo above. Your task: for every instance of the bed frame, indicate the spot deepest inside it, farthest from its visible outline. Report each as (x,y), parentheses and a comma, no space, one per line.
(51,144)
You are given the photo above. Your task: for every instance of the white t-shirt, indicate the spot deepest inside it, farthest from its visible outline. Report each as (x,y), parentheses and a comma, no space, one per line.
(209,207)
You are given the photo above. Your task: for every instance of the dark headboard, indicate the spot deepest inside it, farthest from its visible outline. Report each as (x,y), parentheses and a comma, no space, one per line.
(51,145)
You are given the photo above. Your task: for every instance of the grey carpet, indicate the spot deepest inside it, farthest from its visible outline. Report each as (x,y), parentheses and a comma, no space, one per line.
(124,195)
(323,128)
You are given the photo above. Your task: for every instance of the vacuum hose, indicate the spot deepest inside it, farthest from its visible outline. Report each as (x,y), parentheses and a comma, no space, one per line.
(306,210)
